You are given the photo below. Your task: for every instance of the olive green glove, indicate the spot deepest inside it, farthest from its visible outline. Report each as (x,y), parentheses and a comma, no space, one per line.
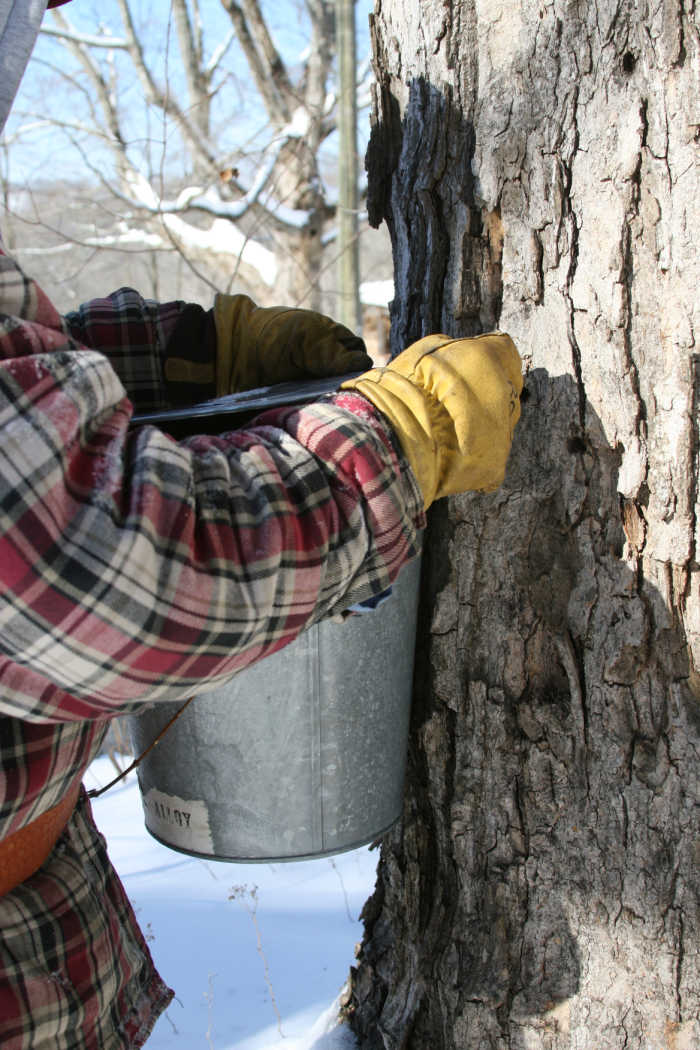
(453,404)
(260,346)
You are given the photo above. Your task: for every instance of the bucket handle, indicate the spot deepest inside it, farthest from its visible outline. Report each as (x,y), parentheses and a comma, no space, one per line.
(96,792)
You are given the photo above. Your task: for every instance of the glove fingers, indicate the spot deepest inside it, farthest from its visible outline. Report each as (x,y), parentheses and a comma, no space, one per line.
(349,340)
(297,344)
(333,360)
(262,346)
(453,404)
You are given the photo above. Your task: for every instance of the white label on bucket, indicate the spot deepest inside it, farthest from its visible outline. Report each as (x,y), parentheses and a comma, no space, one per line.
(181,822)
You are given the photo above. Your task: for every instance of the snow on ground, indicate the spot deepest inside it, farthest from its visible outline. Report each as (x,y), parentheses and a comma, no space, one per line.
(257,954)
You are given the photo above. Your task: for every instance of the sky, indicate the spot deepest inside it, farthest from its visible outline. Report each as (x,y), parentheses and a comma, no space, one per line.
(53,86)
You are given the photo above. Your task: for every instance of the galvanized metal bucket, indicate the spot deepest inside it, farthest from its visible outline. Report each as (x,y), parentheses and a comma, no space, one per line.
(299,756)
(303,754)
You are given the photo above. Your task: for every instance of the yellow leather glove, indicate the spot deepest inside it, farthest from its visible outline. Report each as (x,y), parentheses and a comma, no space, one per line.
(453,404)
(260,346)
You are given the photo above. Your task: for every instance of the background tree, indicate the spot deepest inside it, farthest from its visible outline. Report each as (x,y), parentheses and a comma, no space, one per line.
(537,166)
(204,132)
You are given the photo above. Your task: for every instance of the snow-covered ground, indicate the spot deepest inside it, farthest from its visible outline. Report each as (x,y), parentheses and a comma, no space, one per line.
(257,954)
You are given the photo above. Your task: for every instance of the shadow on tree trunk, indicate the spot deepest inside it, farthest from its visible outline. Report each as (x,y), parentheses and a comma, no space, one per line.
(545,862)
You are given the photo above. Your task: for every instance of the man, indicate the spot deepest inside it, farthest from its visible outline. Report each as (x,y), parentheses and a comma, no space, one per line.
(135,568)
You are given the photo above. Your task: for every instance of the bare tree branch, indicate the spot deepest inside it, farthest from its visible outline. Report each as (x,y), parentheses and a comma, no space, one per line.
(272,200)
(321,51)
(103,40)
(198,30)
(266,65)
(267,48)
(198,78)
(105,97)
(198,144)
(218,53)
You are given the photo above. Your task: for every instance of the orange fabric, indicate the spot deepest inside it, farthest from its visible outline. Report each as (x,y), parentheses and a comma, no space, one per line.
(23,853)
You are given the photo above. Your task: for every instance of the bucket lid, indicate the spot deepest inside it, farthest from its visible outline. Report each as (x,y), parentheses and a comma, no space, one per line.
(232,410)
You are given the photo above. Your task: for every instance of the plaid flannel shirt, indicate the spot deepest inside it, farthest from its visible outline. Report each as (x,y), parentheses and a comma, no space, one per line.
(134,568)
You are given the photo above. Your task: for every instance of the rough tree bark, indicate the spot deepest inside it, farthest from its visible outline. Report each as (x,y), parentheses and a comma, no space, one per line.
(537,165)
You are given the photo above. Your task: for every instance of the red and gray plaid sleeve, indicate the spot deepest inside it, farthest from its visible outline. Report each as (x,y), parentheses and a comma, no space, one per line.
(135,567)
(140,336)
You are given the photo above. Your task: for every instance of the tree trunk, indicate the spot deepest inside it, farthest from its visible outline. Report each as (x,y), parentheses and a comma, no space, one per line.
(300,253)
(537,167)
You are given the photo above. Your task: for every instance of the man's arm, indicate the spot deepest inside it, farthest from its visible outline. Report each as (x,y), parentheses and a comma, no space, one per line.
(135,567)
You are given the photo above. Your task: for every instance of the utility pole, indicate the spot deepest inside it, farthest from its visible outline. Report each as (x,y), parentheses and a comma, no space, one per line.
(348,268)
